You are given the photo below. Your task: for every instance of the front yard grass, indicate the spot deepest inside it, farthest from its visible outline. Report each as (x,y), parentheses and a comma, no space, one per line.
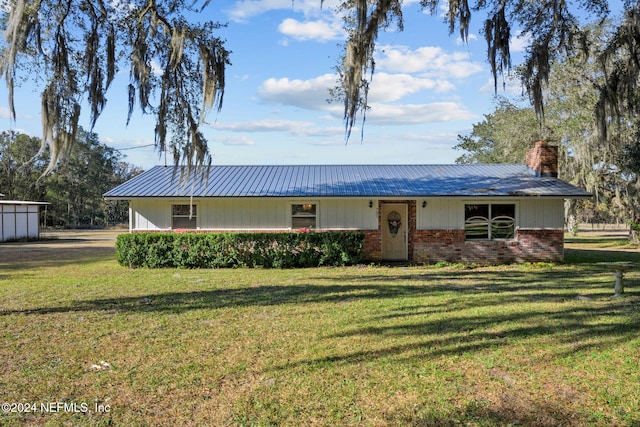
(531,345)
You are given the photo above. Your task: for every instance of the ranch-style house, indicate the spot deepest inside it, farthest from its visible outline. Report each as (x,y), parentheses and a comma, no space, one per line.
(471,213)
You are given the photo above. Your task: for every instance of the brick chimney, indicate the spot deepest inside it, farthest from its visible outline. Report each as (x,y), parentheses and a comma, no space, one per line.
(543,159)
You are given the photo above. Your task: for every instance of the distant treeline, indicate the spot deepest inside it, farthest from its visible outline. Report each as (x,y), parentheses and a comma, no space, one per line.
(74,189)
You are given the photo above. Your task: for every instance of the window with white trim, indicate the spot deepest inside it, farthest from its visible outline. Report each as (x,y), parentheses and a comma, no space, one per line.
(489,221)
(303,216)
(184,216)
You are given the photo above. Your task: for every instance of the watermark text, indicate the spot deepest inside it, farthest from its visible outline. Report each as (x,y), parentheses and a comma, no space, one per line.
(54,407)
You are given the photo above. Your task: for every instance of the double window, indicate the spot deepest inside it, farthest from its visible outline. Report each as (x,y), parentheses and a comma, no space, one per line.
(304,216)
(489,221)
(184,216)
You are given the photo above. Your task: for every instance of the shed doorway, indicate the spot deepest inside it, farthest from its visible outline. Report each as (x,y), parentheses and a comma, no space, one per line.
(394,231)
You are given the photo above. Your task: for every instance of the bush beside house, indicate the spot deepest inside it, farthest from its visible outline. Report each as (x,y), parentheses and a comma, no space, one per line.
(220,250)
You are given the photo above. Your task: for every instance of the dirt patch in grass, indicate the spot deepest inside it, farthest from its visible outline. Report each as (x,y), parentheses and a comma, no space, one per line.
(59,247)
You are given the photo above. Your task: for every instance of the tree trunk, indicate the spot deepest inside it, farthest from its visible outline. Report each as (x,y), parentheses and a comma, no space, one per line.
(570,215)
(634,229)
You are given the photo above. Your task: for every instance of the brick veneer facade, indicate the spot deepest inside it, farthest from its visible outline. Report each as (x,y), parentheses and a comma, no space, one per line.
(431,246)
(450,246)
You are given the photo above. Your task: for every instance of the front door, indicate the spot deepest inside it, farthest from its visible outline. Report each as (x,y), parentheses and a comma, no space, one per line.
(394,231)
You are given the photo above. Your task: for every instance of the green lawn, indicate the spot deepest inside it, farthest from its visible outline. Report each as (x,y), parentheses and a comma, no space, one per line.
(94,343)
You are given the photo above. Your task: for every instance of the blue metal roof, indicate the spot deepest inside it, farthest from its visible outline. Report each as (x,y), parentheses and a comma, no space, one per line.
(496,180)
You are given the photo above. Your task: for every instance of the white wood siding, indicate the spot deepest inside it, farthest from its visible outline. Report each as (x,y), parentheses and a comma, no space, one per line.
(239,214)
(255,214)
(150,214)
(541,213)
(336,213)
(448,213)
(440,214)
(348,214)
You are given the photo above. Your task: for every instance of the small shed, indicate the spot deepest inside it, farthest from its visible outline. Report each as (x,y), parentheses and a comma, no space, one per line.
(19,220)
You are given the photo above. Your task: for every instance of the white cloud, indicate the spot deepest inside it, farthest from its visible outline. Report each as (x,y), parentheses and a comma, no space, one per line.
(245,9)
(4,113)
(320,131)
(519,42)
(126,144)
(392,114)
(236,140)
(435,140)
(507,84)
(262,126)
(318,30)
(438,141)
(308,94)
(312,94)
(391,87)
(470,38)
(24,131)
(156,68)
(291,127)
(429,60)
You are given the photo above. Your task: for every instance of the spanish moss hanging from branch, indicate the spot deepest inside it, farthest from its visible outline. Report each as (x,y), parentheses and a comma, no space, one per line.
(176,68)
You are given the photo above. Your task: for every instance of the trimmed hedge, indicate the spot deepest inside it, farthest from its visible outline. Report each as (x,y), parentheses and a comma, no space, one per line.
(220,250)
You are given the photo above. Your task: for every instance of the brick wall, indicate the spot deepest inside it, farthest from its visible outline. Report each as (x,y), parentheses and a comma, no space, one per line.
(431,246)
(372,247)
(449,246)
(543,158)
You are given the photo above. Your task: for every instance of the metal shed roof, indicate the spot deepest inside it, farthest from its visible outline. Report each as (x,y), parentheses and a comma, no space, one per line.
(22,202)
(346,181)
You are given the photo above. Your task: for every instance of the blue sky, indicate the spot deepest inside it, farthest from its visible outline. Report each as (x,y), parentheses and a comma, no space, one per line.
(428,88)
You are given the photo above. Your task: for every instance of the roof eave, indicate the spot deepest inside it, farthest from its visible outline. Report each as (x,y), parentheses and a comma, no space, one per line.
(360,196)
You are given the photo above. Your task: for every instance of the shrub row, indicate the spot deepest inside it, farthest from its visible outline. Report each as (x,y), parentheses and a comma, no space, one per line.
(219,250)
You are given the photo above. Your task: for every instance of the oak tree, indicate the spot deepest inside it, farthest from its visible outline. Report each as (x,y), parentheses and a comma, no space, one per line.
(76,46)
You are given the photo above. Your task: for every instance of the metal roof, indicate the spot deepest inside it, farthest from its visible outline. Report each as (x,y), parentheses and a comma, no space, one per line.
(22,202)
(496,180)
